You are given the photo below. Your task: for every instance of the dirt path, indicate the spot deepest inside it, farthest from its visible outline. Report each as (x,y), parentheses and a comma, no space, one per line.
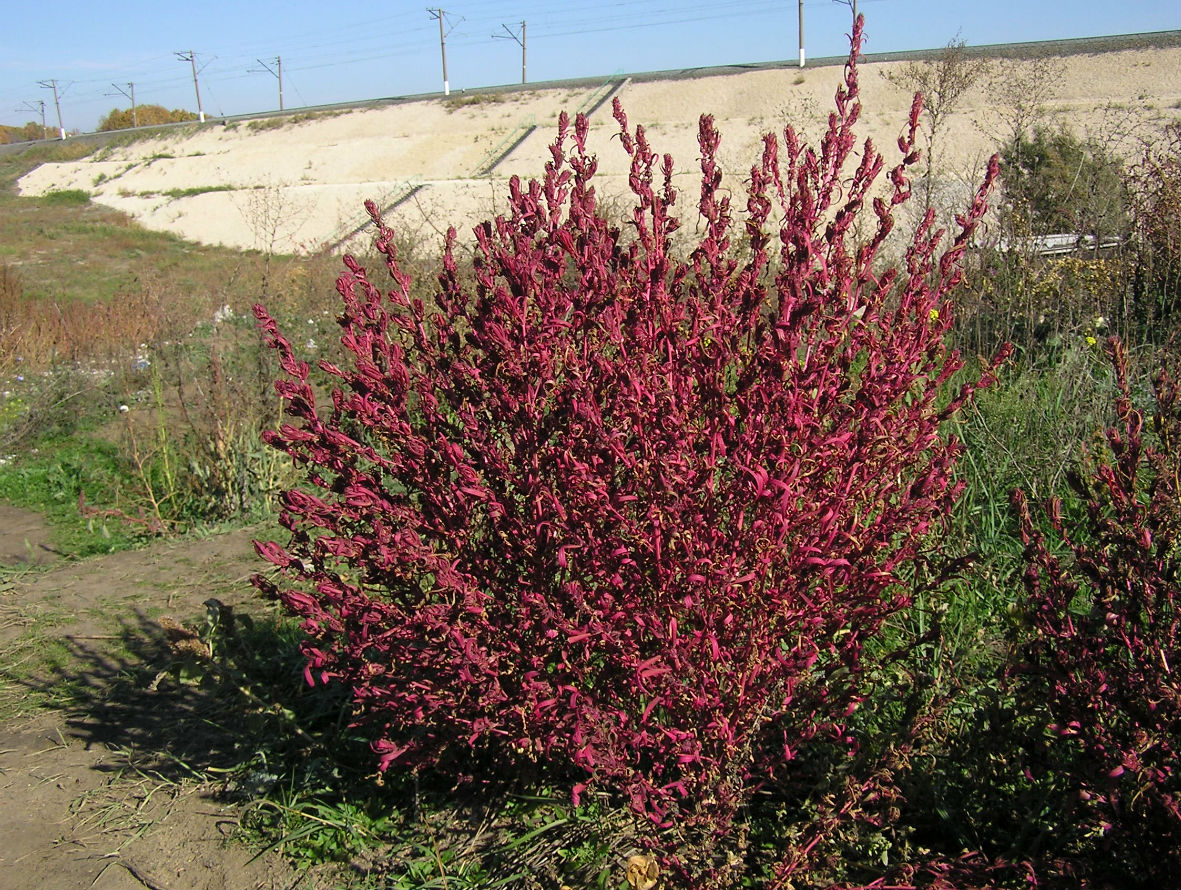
(106,778)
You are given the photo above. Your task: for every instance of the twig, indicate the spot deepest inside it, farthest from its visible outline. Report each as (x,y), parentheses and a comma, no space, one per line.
(134,872)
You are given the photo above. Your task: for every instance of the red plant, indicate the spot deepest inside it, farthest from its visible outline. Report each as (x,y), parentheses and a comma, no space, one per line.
(630,515)
(1106,641)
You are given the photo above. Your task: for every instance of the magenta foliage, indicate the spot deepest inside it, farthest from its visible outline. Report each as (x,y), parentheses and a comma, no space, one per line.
(619,512)
(1106,644)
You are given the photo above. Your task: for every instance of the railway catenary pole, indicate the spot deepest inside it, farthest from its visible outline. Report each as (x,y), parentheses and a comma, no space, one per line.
(520,39)
(52,85)
(277,71)
(801,8)
(191,57)
(131,96)
(438,13)
(29,106)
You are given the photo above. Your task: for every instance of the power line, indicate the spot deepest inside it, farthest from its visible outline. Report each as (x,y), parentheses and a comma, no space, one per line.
(309,50)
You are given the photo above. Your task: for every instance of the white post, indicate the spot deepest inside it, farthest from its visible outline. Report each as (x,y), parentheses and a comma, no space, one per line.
(801,5)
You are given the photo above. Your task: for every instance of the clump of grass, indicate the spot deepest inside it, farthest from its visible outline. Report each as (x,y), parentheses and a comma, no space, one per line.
(196,190)
(66,197)
(61,472)
(263,124)
(467,101)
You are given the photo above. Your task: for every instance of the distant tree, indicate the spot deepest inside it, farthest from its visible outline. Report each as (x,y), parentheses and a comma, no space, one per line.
(30,132)
(1021,89)
(147,116)
(943,82)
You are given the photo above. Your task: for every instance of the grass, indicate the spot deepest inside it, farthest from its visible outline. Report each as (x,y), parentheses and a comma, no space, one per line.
(38,236)
(455,103)
(128,805)
(113,377)
(264,124)
(197,190)
(35,234)
(32,651)
(66,197)
(51,481)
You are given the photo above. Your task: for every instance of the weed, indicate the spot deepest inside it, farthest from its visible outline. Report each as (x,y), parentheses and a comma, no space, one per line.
(54,480)
(135,326)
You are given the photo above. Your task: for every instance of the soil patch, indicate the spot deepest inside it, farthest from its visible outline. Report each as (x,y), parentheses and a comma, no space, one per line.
(24,538)
(107,760)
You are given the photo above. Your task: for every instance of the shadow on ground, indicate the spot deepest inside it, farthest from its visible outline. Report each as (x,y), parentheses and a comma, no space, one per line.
(206,697)
(226,698)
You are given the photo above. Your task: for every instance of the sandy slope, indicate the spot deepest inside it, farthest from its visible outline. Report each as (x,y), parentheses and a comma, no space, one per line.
(300,186)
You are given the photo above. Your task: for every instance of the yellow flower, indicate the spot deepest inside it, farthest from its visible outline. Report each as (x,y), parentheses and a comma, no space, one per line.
(1091,341)
(933,315)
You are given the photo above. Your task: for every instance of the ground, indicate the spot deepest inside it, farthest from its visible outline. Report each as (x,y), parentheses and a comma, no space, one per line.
(108,779)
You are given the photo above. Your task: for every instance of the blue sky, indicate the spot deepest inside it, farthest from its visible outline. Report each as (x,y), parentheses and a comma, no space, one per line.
(346,50)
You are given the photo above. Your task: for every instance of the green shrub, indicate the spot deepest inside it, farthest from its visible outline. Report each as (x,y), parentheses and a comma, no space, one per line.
(66,197)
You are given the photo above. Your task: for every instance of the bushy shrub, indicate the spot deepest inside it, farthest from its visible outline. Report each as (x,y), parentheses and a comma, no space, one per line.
(1064,184)
(143,116)
(1105,642)
(631,517)
(1156,213)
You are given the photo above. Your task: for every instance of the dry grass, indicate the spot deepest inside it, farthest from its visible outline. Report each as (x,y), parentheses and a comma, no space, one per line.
(82,283)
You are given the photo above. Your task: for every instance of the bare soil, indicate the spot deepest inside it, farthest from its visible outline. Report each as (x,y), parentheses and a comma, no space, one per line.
(108,779)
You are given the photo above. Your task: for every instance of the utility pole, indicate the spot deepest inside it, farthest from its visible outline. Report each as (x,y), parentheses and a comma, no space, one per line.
(52,85)
(191,57)
(520,39)
(277,71)
(28,106)
(130,95)
(801,2)
(440,14)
